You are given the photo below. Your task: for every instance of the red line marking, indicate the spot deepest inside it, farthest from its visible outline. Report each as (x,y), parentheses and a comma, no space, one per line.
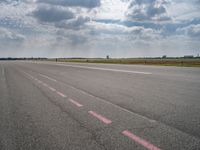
(137,139)
(61,94)
(75,103)
(100,117)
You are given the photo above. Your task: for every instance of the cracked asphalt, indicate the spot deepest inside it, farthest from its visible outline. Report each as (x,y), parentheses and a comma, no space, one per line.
(71,106)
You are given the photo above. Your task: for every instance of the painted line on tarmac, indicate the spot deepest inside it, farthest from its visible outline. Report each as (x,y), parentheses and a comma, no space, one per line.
(106,69)
(52,89)
(61,94)
(44,84)
(47,77)
(36,80)
(40,82)
(28,75)
(75,103)
(100,117)
(107,102)
(140,141)
(103,119)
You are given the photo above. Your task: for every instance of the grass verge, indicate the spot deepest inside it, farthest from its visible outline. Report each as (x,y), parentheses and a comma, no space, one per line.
(180,62)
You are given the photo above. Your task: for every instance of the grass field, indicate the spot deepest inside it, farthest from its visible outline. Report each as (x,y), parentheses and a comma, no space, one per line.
(182,62)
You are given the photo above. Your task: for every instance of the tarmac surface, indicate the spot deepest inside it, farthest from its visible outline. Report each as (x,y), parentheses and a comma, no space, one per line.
(74,106)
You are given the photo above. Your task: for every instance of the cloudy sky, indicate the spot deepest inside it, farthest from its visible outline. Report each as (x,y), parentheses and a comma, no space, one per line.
(96,28)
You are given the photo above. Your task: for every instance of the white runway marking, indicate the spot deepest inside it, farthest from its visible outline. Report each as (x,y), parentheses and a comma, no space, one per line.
(61,94)
(52,89)
(45,76)
(44,84)
(40,82)
(28,75)
(106,69)
(75,103)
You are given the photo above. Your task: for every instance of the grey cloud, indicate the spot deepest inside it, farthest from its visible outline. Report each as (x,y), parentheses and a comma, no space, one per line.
(14,2)
(132,33)
(139,2)
(148,10)
(12,23)
(74,3)
(1,1)
(10,39)
(6,1)
(74,24)
(52,14)
(10,36)
(152,11)
(191,30)
(75,38)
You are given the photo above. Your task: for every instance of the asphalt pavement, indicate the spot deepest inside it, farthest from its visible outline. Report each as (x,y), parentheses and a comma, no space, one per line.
(81,106)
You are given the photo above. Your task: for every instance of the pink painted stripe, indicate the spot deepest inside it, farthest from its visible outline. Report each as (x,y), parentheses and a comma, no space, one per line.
(137,139)
(61,94)
(100,117)
(52,89)
(75,103)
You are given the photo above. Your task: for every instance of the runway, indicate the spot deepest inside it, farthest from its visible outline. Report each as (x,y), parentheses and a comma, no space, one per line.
(81,106)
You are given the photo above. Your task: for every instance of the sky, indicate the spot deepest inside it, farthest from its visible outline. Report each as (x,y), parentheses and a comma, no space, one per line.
(96,28)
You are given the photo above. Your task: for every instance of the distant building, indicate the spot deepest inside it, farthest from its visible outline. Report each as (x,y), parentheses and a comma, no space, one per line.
(107,57)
